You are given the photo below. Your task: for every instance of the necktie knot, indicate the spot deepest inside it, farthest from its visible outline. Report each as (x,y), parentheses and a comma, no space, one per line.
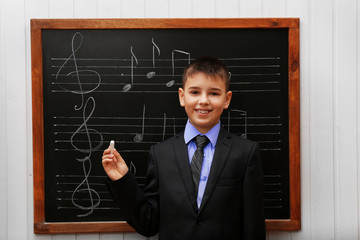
(201,141)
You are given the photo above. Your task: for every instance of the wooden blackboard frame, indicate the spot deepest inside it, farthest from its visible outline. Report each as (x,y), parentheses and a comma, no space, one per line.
(37,25)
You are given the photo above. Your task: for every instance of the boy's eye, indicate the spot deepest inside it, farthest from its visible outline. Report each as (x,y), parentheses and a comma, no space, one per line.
(214,93)
(194,92)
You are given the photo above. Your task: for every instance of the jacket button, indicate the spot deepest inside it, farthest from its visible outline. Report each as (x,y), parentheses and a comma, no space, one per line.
(200,222)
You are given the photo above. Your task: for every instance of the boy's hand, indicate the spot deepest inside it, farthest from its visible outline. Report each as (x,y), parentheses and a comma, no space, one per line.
(114,165)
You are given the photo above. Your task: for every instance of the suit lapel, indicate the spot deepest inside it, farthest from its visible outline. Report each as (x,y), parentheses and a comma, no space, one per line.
(222,150)
(182,159)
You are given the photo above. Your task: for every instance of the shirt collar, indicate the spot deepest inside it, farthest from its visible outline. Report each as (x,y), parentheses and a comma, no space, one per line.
(191,132)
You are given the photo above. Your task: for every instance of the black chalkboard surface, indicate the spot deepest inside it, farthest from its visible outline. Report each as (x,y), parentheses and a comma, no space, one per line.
(121,84)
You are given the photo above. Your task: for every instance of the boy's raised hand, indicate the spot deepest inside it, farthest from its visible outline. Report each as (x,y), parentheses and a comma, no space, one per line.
(113,164)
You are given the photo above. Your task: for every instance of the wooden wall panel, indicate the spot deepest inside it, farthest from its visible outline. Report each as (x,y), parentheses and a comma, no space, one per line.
(226,9)
(14,77)
(61,9)
(250,8)
(157,9)
(180,9)
(133,8)
(358,112)
(85,8)
(273,8)
(109,8)
(321,120)
(203,8)
(344,98)
(3,135)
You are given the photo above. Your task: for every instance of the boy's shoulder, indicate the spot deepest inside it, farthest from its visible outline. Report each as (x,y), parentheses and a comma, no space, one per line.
(239,140)
(173,139)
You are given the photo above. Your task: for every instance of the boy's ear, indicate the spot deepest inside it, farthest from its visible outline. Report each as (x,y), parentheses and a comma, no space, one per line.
(181,97)
(227,99)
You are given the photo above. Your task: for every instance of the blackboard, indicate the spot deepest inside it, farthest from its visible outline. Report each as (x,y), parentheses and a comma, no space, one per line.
(120,83)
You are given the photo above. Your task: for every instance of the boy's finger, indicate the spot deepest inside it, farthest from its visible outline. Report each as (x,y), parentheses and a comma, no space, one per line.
(107,151)
(107,160)
(117,155)
(108,155)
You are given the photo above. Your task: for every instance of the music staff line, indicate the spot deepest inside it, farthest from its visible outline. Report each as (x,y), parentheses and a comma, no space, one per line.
(116,208)
(166,59)
(147,150)
(159,134)
(163,67)
(59,176)
(70,192)
(102,177)
(160,84)
(161,126)
(72,183)
(174,91)
(148,142)
(159,75)
(157,118)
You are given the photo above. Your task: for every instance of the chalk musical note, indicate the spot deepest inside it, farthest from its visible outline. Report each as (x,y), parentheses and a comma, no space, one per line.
(164,127)
(241,113)
(84,186)
(153,73)
(172,82)
(94,200)
(77,72)
(139,137)
(174,126)
(127,87)
(83,129)
(132,168)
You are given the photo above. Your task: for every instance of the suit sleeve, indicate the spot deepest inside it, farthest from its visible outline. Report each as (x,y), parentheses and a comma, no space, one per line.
(253,207)
(141,207)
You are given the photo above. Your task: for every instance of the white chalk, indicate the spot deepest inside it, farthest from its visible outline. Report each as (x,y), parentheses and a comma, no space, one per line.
(112,145)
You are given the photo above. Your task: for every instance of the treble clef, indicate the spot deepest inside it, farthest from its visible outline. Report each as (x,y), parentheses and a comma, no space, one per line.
(77,72)
(86,160)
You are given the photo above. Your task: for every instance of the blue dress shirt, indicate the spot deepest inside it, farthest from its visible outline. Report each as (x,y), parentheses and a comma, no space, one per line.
(212,135)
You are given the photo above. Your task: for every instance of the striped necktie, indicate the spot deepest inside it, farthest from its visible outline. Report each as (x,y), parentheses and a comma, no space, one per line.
(197,159)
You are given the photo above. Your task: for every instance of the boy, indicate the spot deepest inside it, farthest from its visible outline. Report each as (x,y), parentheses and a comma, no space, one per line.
(197,187)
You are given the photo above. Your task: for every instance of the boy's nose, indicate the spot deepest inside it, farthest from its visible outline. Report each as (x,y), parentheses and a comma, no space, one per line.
(204,99)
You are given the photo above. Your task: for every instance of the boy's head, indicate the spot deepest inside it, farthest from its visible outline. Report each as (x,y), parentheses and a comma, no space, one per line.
(211,67)
(205,92)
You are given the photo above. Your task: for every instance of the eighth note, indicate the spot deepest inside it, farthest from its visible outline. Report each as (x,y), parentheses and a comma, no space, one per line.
(164,127)
(242,114)
(127,87)
(152,74)
(132,168)
(172,82)
(139,137)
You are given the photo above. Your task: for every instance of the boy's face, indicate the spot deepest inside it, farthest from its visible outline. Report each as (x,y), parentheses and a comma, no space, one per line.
(204,99)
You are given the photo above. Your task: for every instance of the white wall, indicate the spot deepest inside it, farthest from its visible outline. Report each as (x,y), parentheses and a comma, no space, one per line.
(330,104)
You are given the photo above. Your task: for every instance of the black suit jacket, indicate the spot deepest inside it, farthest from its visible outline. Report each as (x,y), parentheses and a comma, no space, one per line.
(232,205)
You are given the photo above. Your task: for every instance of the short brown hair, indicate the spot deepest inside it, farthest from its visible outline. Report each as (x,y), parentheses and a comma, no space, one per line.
(211,67)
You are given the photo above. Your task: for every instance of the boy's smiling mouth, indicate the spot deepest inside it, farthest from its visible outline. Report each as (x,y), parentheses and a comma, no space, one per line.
(203,111)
